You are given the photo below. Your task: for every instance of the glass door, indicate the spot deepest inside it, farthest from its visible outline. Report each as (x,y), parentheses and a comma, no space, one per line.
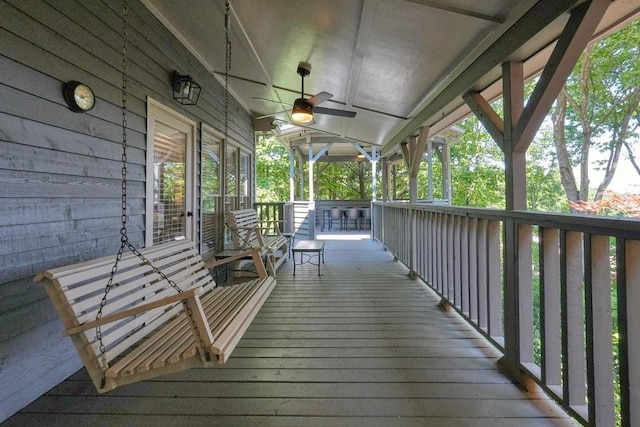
(212,215)
(170,201)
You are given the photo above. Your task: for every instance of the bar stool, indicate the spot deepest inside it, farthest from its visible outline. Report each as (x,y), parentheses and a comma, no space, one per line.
(335,213)
(354,214)
(365,215)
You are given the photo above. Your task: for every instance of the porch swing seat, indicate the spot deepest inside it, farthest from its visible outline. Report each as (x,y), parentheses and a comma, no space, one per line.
(149,328)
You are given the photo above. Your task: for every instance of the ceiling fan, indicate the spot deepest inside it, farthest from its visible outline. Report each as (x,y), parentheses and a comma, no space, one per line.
(304,109)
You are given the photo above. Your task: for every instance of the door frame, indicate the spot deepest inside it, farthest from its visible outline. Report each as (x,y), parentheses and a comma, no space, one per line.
(157,111)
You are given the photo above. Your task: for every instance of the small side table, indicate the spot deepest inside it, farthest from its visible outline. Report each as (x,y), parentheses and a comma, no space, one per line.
(315,248)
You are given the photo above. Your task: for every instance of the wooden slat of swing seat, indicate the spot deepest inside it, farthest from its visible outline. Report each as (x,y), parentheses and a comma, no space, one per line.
(121,297)
(145,329)
(135,339)
(176,337)
(148,319)
(176,342)
(230,336)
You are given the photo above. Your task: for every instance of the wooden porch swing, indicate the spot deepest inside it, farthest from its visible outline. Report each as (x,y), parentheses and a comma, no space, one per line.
(160,311)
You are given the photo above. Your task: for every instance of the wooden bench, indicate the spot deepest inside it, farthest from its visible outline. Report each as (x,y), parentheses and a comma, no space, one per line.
(249,233)
(148,327)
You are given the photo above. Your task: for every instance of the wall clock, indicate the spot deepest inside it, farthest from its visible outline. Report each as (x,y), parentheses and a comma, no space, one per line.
(79,96)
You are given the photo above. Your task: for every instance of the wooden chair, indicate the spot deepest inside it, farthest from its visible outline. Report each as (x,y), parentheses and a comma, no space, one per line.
(247,232)
(151,325)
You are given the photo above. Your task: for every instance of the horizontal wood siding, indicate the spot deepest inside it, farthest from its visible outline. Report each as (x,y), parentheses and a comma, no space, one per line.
(60,171)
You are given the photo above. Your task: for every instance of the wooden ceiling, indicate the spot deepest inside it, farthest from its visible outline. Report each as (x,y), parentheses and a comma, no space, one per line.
(399,64)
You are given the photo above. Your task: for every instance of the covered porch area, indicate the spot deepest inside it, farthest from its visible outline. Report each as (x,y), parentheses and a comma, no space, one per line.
(363,344)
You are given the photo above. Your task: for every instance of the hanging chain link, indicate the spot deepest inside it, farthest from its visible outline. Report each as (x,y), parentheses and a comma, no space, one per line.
(227,68)
(124,239)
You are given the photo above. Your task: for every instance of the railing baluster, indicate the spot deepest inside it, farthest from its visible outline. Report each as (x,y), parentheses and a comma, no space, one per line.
(464,265)
(628,284)
(598,329)
(550,309)
(473,269)
(574,390)
(483,274)
(525,294)
(449,281)
(494,282)
(455,260)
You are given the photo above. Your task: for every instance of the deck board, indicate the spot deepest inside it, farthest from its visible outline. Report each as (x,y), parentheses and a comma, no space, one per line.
(363,344)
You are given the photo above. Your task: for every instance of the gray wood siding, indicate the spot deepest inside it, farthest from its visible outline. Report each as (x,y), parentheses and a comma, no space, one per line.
(60,171)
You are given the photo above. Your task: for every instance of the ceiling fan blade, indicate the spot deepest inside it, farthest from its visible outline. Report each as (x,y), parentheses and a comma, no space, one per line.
(305,126)
(272,100)
(273,114)
(334,112)
(319,98)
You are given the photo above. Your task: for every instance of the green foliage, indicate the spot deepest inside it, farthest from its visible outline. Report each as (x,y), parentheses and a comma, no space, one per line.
(343,181)
(272,170)
(544,186)
(603,97)
(477,170)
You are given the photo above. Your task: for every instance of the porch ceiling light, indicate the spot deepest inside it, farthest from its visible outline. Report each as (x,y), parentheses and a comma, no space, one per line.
(185,90)
(302,111)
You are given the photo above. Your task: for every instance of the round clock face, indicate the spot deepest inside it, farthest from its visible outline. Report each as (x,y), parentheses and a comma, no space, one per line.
(79,96)
(84,97)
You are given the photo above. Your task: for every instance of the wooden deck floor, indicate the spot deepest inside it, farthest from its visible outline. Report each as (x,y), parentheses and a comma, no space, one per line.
(362,345)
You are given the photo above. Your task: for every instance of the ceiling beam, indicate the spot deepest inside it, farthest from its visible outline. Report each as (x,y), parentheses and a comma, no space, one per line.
(572,42)
(514,35)
(486,115)
(448,8)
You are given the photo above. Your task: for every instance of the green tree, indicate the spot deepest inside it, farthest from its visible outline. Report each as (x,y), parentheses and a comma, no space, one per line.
(343,180)
(598,108)
(477,170)
(272,170)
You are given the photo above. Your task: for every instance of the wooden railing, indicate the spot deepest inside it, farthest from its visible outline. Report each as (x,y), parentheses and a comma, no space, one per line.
(279,212)
(557,294)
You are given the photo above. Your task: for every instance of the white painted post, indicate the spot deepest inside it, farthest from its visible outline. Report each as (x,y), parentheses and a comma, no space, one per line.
(292,174)
(374,164)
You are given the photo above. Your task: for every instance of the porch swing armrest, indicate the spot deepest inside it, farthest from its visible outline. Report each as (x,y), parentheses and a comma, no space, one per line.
(185,295)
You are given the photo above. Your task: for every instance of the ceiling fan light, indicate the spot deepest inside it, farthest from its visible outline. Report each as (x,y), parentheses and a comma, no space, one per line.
(302,111)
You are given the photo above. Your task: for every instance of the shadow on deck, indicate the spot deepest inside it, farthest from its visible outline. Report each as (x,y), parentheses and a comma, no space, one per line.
(361,345)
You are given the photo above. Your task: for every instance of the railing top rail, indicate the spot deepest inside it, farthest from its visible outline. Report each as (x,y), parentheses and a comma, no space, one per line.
(628,228)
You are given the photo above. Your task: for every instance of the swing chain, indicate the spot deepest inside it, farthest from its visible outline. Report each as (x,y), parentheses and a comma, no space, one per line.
(227,68)
(124,239)
(123,218)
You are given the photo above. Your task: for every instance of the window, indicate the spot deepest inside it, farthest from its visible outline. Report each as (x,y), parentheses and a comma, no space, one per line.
(212,216)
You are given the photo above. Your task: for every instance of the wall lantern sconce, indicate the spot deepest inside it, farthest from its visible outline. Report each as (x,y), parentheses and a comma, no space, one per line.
(185,90)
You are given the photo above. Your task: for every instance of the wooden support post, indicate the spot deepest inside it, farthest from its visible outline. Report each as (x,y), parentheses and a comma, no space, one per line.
(413,152)
(515,186)
(514,135)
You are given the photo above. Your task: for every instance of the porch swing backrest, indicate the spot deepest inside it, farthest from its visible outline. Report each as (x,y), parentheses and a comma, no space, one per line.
(146,331)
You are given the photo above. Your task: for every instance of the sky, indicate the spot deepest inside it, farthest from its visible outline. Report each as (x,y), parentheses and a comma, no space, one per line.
(625,180)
